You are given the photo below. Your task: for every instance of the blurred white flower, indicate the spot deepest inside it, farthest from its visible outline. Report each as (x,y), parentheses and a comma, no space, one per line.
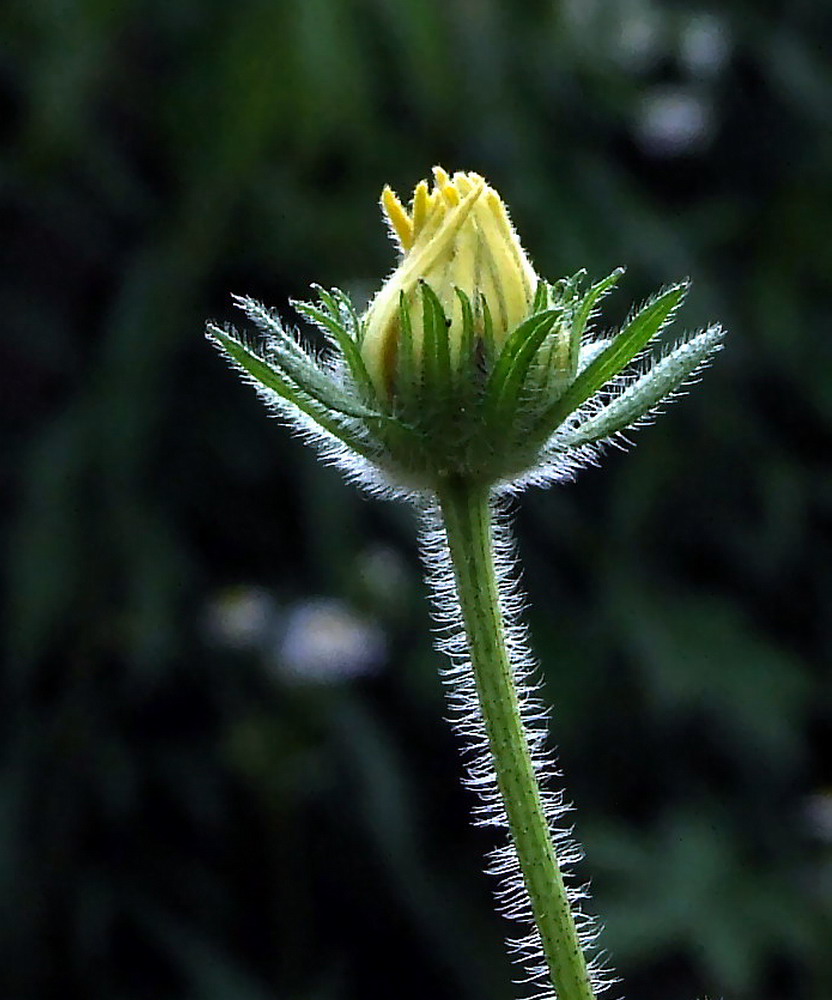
(324,641)
(579,15)
(241,617)
(641,38)
(672,121)
(817,814)
(704,45)
(384,578)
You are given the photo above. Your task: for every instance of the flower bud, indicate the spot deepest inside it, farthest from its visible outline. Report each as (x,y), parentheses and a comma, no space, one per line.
(456,236)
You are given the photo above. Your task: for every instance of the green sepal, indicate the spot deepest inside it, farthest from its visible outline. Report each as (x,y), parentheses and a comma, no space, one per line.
(541,297)
(408,378)
(267,376)
(329,319)
(488,346)
(663,379)
(557,367)
(272,326)
(292,359)
(593,296)
(311,379)
(632,338)
(344,308)
(307,378)
(564,291)
(590,351)
(506,382)
(435,346)
(467,345)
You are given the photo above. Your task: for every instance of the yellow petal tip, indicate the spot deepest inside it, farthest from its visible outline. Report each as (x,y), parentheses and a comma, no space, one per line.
(441,177)
(397,216)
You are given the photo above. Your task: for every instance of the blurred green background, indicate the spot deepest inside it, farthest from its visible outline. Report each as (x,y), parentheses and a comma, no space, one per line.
(225,770)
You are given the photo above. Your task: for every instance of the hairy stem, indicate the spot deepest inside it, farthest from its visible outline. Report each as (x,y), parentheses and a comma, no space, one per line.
(466,512)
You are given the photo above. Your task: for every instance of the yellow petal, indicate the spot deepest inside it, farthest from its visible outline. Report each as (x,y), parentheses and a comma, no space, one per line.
(398,217)
(421,206)
(440,178)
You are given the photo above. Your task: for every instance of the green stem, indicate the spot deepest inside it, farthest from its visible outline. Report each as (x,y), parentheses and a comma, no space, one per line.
(467,515)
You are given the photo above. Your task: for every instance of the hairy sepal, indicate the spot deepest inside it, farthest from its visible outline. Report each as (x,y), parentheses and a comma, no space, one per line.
(662,382)
(466,363)
(629,342)
(438,381)
(408,376)
(593,298)
(329,318)
(509,375)
(264,375)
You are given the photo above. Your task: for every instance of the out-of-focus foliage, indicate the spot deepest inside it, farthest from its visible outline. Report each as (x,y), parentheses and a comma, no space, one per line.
(224,773)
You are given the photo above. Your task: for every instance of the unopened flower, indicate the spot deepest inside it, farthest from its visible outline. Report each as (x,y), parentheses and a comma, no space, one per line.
(466,364)
(469,375)
(457,238)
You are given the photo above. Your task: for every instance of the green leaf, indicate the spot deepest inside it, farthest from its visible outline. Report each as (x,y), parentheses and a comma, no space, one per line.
(623,348)
(660,383)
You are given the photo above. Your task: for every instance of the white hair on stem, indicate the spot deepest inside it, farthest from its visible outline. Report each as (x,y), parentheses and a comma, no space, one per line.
(467,721)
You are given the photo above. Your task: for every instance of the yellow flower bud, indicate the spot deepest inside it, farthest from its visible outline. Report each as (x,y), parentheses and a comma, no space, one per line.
(456,236)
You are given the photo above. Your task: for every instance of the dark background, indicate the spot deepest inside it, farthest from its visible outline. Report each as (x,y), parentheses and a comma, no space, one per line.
(225,770)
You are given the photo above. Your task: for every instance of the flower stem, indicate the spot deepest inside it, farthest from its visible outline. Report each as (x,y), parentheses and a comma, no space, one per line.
(466,512)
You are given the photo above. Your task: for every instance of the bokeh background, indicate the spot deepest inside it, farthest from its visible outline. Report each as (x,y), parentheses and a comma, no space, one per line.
(225,770)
